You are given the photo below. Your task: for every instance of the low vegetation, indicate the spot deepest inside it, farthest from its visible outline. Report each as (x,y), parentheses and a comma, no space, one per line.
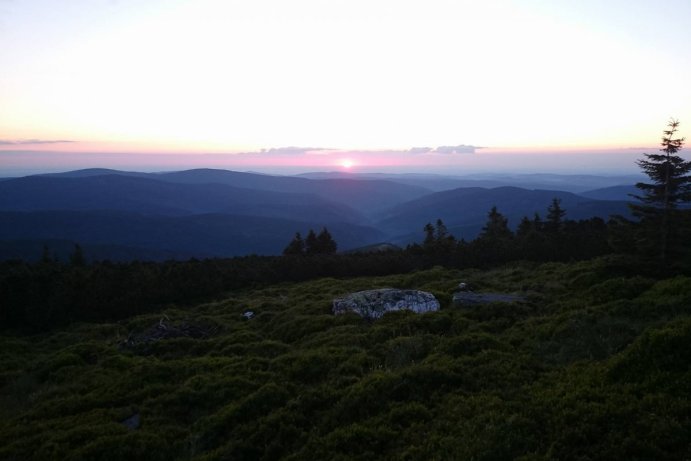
(592,366)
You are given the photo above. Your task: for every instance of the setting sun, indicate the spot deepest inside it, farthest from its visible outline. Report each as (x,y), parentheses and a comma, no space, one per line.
(347,163)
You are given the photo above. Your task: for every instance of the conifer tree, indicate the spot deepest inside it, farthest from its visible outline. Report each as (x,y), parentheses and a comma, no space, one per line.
(538,224)
(441,233)
(495,242)
(311,243)
(429,235)
(525,227)
(497,227)
(555,215)
(531,238)
(296,246)
(661,223)
(314,244)
(326,243)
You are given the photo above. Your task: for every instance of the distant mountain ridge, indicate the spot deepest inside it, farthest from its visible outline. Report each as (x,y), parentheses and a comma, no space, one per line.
(436,182)
(366,196)
(207,213)
(144,195)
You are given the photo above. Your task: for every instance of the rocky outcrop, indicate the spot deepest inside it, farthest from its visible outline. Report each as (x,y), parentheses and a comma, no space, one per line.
(372,304)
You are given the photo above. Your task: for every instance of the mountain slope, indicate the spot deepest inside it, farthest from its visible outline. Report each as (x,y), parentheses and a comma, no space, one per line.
(205,235)
(365,195)
(467,208)
(613,193)
(144,195)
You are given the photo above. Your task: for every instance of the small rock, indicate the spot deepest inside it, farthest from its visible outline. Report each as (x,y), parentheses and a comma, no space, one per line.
(132,422)
(248,314)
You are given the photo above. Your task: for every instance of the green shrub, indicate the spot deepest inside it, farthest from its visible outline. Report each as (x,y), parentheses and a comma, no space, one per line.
(618,288)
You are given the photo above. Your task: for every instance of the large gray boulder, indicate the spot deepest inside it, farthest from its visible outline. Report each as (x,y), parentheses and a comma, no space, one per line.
(372,304)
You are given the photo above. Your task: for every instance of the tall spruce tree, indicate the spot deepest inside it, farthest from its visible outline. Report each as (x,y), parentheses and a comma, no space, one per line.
(442,232)
(429,235)
(311,243)
(525,227)
(326,243)
(662,225)
(296,246)
(495,242)
(497,227)
(555,216)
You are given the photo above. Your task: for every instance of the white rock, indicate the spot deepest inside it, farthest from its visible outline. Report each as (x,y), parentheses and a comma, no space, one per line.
(373,304)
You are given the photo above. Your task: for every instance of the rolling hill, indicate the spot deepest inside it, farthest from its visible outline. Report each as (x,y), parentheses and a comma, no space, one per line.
(366,195)
(622,192)
(465,209)
(144,195)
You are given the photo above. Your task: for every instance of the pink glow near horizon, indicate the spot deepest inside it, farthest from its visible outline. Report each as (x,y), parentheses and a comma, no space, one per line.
(16,161)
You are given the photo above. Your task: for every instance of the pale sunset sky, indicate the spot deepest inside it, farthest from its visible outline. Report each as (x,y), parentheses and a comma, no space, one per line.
(448,86)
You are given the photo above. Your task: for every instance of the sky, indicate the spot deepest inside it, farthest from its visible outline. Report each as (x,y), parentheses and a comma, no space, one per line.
(360,85)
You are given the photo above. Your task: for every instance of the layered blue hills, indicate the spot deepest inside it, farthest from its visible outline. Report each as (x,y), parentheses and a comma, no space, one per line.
(204,213)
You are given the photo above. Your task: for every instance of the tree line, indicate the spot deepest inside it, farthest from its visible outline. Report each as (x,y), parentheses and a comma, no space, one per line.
(314,244)
(535,239)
